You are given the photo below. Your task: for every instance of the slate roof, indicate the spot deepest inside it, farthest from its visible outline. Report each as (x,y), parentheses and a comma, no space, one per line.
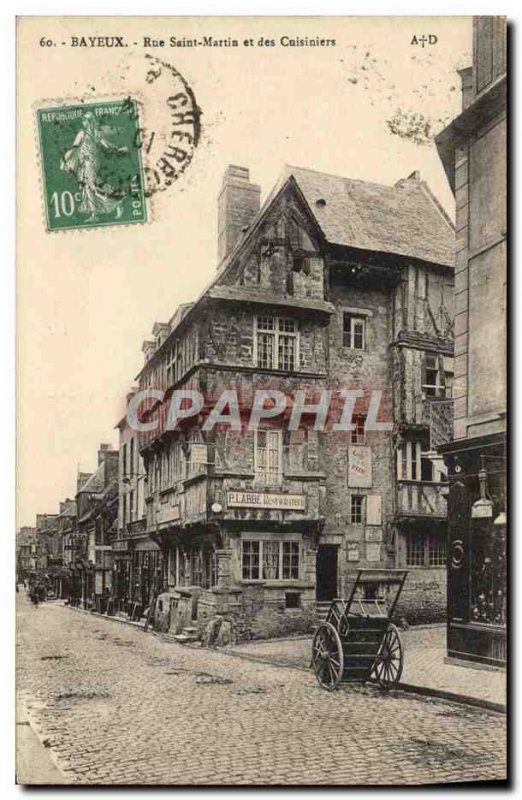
(96,482)
(404,219)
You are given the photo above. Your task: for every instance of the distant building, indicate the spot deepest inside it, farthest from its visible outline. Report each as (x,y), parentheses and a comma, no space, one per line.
(27,552)
(44,530)
(97,513)
(473,151)
(61,547)
(334,284)
(138,560)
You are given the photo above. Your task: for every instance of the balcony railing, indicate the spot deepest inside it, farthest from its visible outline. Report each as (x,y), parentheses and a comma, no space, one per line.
(422,499)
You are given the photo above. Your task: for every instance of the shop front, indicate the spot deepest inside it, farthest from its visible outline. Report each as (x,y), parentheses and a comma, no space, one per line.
(477,558)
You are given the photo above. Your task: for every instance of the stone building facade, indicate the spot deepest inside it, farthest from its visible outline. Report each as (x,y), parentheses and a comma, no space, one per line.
(473,151)
(138,559)
(97,512)
(334,285)
(27,553)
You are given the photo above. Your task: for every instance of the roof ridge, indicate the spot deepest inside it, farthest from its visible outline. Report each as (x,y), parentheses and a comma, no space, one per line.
(438,205)
(344,177)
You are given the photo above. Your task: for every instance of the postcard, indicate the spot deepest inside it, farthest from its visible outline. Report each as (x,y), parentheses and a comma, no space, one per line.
(261,325)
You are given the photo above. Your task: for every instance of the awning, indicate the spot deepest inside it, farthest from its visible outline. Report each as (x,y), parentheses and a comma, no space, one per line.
(146,544)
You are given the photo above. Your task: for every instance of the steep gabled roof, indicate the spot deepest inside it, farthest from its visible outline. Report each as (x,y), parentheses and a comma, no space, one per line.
(404,219)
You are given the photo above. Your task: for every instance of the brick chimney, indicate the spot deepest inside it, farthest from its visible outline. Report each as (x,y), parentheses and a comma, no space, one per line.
(238,203)
(102,452)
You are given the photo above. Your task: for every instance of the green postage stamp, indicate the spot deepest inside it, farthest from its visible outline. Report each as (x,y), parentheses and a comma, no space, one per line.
(92,164)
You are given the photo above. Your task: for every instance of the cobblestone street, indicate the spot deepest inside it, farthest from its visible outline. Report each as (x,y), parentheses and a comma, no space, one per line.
(116,705)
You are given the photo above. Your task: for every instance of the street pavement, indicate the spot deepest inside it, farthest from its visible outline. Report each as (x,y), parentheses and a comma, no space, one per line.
(424,664)
(115,705)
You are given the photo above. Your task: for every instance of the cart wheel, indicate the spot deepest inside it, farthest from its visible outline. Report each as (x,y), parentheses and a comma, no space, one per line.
(327,656)
(388,664)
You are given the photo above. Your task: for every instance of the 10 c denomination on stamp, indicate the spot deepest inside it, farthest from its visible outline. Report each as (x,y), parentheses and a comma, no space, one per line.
(92,164)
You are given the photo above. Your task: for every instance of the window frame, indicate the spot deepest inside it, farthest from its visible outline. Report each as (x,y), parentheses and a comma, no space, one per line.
(277,334)
(354,317)
(406,461)
(292,543)
(356,436)
(262,477)
(442,388)
(427,543)
(361,509)
(409,454)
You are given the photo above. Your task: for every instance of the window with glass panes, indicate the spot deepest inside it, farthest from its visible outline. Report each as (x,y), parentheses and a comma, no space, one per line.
(268,456)
(413,464)
(250,560)
(438,375)
(354,330)
(290,560)
(358,433)
(270,559)
(276,343)
(409,461)
(426,550)
(357,509)
(436,551)
(415,556)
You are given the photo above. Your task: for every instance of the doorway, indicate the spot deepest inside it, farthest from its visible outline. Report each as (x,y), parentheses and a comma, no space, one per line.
(326,572)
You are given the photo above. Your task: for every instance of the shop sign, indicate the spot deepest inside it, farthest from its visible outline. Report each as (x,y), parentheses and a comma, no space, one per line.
(120,545)
(482,508)
(198,453)
(359,466)
(285,502)
(167,514)
(373,552)
(353,552)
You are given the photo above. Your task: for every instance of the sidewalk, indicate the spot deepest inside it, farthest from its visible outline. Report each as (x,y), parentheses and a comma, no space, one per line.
(34,766)
(424,666)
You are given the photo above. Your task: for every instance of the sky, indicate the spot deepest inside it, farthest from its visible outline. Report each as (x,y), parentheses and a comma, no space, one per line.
(366,109)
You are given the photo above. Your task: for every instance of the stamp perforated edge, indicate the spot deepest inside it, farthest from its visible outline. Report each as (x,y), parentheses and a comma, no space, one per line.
(115,97)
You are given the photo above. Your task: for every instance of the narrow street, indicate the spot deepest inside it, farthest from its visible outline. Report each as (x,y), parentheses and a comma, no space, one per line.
(113,704)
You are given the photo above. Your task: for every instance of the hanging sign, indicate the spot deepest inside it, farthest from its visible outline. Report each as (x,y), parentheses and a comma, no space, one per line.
(482,508)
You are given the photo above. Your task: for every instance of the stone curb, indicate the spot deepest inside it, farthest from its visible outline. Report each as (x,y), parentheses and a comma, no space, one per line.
(464,699)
